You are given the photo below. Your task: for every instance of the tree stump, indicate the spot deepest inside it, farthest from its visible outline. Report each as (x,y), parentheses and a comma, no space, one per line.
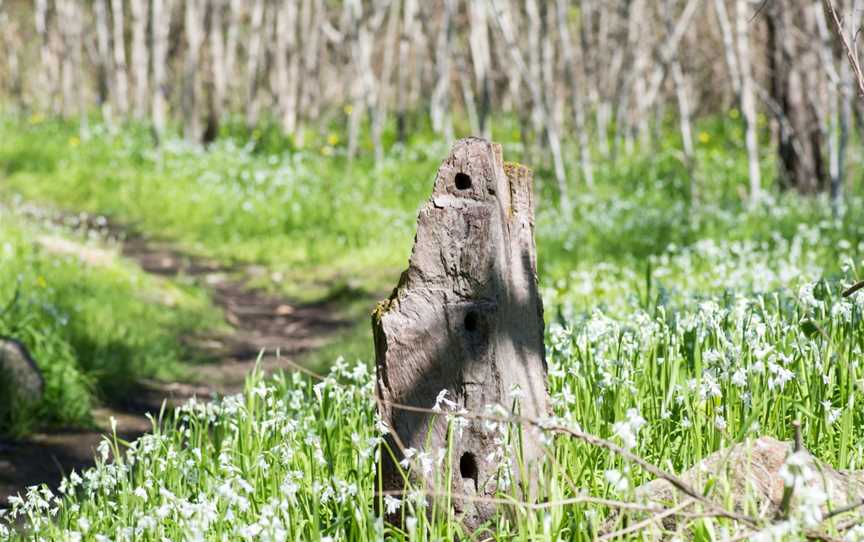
(466,317)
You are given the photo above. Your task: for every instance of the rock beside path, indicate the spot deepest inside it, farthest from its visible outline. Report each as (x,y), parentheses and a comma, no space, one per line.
(19,372)
(750,478)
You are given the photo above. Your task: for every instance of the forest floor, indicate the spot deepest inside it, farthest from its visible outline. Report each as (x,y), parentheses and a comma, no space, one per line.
(265,330)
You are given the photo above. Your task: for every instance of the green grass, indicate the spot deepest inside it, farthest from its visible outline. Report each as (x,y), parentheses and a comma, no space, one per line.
(713,322)
(94,329)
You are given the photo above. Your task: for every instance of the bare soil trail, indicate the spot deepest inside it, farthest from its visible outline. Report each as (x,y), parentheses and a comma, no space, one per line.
(259,321)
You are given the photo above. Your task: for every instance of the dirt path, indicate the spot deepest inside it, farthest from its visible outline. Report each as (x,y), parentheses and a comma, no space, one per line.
(258,321)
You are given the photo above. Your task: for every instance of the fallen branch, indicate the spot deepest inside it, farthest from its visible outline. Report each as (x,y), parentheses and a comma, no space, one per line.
(851,53)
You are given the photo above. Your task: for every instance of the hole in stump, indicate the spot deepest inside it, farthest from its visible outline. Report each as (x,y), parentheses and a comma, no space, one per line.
(472,320)
(463,181)
(468,467)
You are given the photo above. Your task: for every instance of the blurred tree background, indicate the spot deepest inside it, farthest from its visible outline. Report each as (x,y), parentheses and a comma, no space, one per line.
(589,78)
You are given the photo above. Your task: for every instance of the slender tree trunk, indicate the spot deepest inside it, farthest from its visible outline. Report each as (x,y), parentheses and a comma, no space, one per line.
(309,92)
(253,65)
(481,60)
(284,14)
(74,96)
(406,67)
(729,49)
(140,66)
(289,110)
(232,37)
(67,69)
(801,137)
(121,84)
(576,91)
(217,54)
(103,67)
(748,102)
(440,106)
(848,92)
(387,65)
(191,83)
(520,70)
(50,73)
(160,27)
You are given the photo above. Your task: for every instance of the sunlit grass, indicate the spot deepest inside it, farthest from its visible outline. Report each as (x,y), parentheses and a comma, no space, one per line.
(94,329)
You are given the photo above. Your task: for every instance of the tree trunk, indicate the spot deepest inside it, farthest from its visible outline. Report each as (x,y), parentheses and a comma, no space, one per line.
(440,106)
(406,67)
(218,60)
(481,59)
(577,91)
(232,38)
(160,26)
(121,84)
(309,96)
(103,66)
(140,15)
(801,142)
(520,71)
(382,102)
(253,65)
(191,84)
(464,330)
(748,101)
(47,78)
(729,50)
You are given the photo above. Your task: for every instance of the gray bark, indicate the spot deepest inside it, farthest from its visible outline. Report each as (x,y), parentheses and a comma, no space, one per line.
(577,90)
(440,105)
(748,101)
(521,72)
(140,14)
(467,318)
(253,65)
(191,84)
(160,26)
(103,66)
(47,56)
(121,83)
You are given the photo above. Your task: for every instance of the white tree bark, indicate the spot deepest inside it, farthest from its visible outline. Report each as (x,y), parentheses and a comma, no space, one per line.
(439,108)
(121,84)
(217,54)
(481,60)
(287,64)
(253,62)
(729,49)
(193,24)
(310,98)
(50,67)
(577,91)
(140,66)
(407,66)
(521,71)
(104,58)
(382,100)
(160,25)
(74,96)
(363,79)
(231,43)
(748,102)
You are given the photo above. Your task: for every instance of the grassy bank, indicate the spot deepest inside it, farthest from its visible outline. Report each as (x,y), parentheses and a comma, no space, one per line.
(94,325)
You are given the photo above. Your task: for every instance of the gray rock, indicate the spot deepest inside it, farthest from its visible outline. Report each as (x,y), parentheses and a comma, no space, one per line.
(19,372)
(747,478)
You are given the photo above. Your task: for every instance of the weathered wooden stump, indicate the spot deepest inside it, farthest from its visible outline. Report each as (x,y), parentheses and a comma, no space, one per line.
(466,317)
